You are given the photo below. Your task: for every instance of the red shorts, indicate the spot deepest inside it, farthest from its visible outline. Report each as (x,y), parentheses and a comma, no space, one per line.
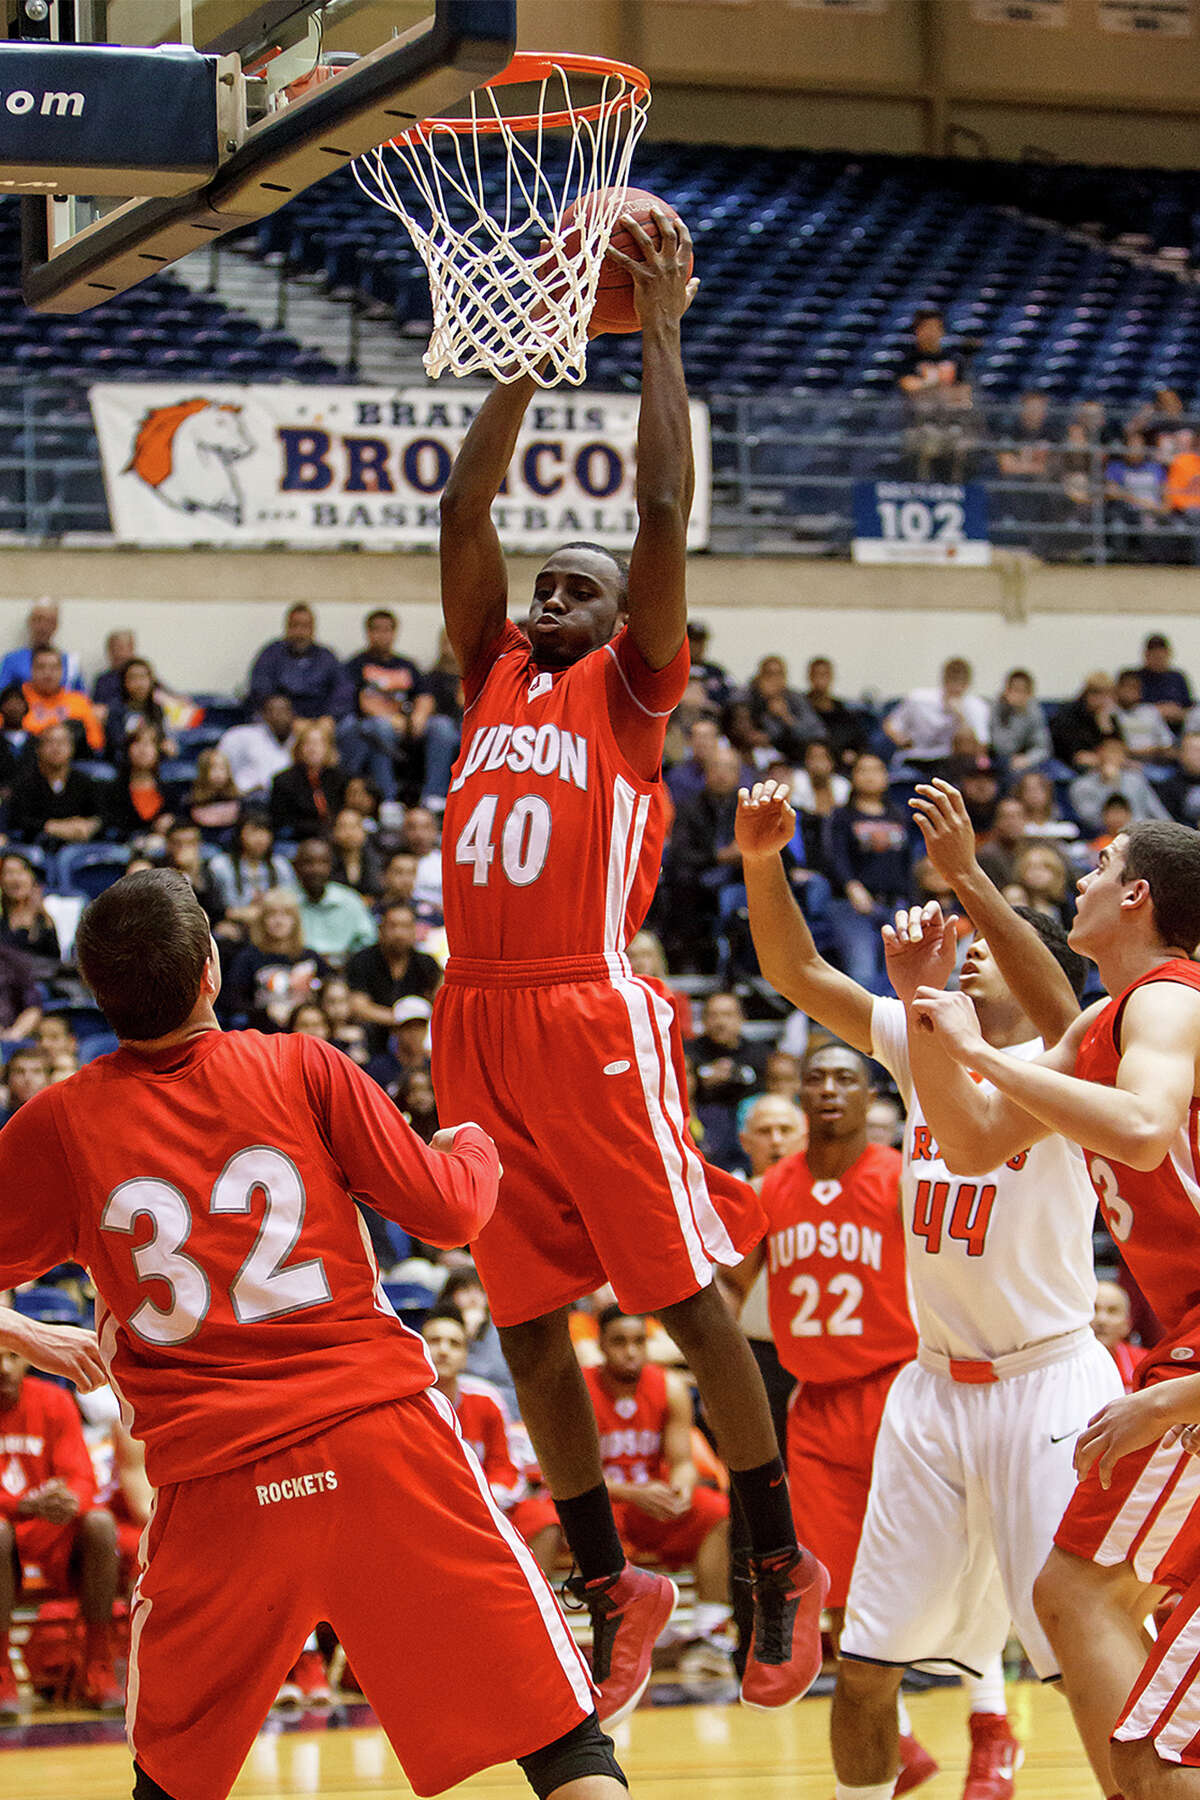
(673,1542)
(1141,1515)
(384,1526)
(534,1515)
(47,1551)
(1165,1703)
(832,1429)
(572,1071)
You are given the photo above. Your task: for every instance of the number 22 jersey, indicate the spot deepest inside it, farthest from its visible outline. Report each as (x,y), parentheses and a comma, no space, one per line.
(553,831)
(998,1261)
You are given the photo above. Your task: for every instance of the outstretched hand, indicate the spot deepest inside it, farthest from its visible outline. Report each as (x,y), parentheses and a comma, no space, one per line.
(919,949)
(764,823)
(945,824)
(1131,1423)
(661,280)
(951,1018)
(62,1350)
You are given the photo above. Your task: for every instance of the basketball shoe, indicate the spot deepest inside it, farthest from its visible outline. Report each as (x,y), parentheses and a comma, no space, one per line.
(99,1690)
(916,1766)
(784,1659)
(628,1611)
(309,1680)
(11,1707)
(995,1758)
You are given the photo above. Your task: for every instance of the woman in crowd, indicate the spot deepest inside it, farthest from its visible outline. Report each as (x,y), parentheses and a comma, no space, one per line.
(243,873)
(870,862)
(305,798)
(1041,870)
(817,791)
(214,802)
(135,805)
(1020,736)
(356,861)
(344,1029)
(309,1020)
(1043,816)
(25,924)
(270,974)
(139,704)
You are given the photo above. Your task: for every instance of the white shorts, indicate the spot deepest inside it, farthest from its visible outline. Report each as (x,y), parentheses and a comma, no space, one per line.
(967,1489)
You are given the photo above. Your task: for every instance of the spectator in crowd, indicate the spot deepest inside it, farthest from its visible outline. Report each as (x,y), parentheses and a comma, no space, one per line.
(25,925)
(871,868)
(344,1030)
(52,703)
(485,1358)
(1079,462)
(296,665)
(134,804)
(1083,724)
(729,1068)
(417,1102)
(781,1077)
(356,861)
(335,920)
(20,1008)
(185,852)
(1163,685)
(1024,466)
(423,838)
(275,970)
(15,742)
(932,724)
(1136,511)
(1182,491)
(1161,423)
(388,971)
(1019,734)
(702,870)
(306,796)
(1045,879)
(1144,732)
(1111,1323)
(1116,816)
(308,1018)
(119,648)
(214,803)
(999,847)
(138,703)
(1180,792)
(405,1045)
(48,1517)
(381,730)
(845,729)
(978,780)
(245,872)
(712,678)
(769,718)
(1043,815)
(41,627)
(53,801)
(687,777)
(933,377)
(1113,774)
(817,790)
(26,1074)
(259,751)
(659,1506)
(885,1121)
(399,883)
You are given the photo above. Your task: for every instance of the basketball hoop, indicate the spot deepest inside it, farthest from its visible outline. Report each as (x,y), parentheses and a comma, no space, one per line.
(512,286)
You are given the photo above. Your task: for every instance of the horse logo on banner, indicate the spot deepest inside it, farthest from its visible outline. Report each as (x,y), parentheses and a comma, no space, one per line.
(188,454)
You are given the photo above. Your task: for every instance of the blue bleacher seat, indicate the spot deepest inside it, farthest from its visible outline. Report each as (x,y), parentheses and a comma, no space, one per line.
(52,1305)
(88,869)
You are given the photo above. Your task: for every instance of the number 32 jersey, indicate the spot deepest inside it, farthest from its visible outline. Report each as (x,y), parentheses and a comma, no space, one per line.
(552,838)
(999,1261)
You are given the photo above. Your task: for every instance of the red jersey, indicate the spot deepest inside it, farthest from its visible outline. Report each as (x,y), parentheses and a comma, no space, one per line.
(207,1188)
(837,1284)
(552,839)
(484,1425)
(41,1438)
(632,1425)
(1153,1214)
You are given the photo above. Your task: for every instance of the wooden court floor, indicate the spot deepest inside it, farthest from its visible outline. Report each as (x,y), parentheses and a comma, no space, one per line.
(669,1753)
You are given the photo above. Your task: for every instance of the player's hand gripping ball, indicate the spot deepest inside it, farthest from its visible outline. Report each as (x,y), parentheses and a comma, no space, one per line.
(615,309)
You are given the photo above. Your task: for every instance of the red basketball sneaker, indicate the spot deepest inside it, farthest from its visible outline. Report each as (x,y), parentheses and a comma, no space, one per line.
(628,1612)
(99,1690)
(916,1766)
(785,1647)
(11,1708)
(309,1680)
(995,1758)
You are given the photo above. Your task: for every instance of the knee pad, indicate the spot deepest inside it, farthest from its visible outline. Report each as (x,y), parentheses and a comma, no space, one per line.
(145,1789)
(584,1750)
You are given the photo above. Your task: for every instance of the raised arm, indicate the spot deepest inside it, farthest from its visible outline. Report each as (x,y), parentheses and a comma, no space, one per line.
(474,578)
(1033,976)
(55,1349)
(787,956)
(657,601)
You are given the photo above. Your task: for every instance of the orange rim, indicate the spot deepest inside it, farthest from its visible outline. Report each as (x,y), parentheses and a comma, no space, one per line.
(536,65)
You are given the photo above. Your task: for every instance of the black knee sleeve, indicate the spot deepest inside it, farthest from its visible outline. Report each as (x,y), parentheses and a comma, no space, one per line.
(145,1789)
(582,1751)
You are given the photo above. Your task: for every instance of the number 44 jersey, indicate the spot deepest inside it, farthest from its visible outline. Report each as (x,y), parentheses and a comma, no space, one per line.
(998,1261)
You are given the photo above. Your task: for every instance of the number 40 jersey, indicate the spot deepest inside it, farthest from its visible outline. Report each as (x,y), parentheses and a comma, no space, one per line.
(1000,1261)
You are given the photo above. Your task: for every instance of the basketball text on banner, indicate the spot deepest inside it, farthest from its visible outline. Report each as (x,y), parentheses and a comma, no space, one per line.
(230,465)
(921,522)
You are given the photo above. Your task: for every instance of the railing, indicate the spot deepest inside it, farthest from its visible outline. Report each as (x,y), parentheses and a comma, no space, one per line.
(784,469)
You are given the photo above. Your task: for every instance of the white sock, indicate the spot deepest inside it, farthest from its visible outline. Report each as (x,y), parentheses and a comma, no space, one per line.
(709,1616)
(880,1790)
(987,1690)
(903,1717)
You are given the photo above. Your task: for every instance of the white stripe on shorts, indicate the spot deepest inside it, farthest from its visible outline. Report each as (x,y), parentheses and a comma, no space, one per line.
(1118,1542)
(1168,1709)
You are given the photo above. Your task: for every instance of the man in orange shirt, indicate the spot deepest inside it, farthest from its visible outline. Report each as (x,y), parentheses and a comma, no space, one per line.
(1182,491)
(50,703)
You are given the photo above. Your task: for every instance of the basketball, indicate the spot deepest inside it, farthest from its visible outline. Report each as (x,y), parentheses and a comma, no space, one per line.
(614,309)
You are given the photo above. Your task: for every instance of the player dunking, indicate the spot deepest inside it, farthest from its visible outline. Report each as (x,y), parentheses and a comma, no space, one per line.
(1123,1082)
(973,1458)
(552,840)
(205,1179)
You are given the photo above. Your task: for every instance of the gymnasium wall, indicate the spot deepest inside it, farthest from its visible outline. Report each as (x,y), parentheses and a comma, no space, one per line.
(200,616)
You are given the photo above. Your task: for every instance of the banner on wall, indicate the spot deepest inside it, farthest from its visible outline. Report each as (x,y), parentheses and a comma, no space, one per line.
(1019,12)
(325,465)
(921,522)
(1161,18)
(842,6)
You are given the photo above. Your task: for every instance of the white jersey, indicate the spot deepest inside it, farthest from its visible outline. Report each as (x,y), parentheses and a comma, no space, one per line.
(999,1261)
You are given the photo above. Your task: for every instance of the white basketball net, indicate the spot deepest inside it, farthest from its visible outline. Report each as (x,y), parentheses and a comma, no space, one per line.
(510,294)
